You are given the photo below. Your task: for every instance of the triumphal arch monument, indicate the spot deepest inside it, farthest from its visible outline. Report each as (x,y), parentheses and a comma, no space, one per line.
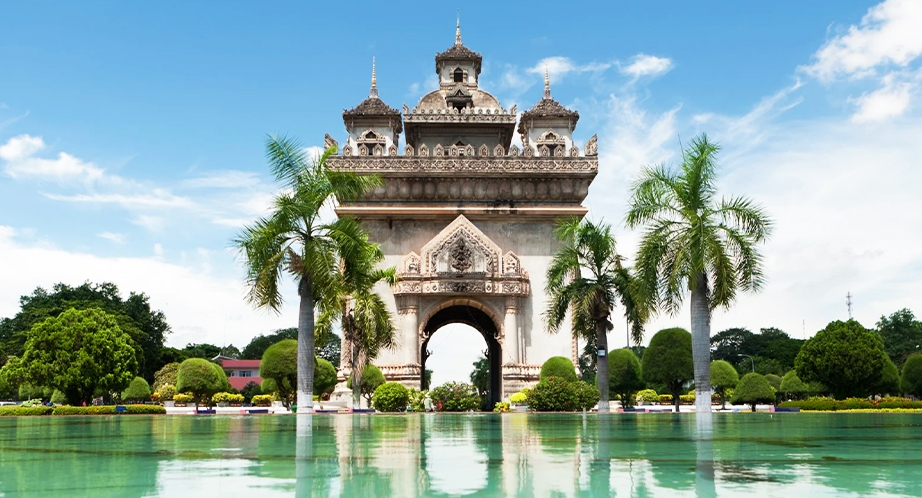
(466,216)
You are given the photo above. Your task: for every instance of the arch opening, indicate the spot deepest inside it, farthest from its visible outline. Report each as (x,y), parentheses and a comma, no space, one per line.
(482,323)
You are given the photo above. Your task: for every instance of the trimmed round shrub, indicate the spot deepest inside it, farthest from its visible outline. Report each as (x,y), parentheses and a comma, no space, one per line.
(752,390)
(391,397)
(668,360)
(792,386)
(774,381)
(138,390)
(846,357)
(182,398)
(262,399)
(554,394)
(324,376)
(371,379)
(280,363)
(912,376)
(519,398)
(587,395)
(166,392)
(202,378)
(723,378)
(890,378)
(648,396)
(558,367)
(455,397)
(624,375)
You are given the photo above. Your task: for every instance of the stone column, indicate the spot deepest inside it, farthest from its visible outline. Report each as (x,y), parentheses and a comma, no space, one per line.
(511,340)
(410,332)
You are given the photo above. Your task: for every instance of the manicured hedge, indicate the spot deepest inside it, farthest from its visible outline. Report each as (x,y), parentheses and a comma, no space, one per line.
(829,404)
(24,411)
(109,410)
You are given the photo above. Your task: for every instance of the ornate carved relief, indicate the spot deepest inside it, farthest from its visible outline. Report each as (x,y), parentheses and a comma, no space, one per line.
(559,151)
(514,151)
(329,142)
(392,150)
(544,150)
(461,256)
(408,150)
(363,150)
(411,264)
(528,151)
(574,151)
(379,150)
(424,150)
(347,150)
(453,151)
(507,164)
(498,151)
(469,150)
(511,264)
(592,146)
(439,152)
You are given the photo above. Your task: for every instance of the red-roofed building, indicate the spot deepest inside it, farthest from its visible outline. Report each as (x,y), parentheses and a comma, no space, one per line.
(241,372)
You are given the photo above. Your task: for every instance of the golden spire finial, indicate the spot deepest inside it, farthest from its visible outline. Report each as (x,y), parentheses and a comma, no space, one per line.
(547,82)
(374,80)
(458,29)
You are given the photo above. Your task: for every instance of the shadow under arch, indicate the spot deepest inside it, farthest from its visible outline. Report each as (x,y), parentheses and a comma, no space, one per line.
(482,319)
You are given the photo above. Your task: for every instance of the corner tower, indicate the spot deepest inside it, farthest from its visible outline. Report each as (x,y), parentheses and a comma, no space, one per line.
(467,217)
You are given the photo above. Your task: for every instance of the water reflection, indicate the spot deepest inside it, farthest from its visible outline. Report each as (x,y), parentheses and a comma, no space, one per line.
(463,455)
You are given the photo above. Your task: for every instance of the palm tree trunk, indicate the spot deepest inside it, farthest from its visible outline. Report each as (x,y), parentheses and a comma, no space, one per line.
(601,342)
(305,397)
(701,343)
(358,368)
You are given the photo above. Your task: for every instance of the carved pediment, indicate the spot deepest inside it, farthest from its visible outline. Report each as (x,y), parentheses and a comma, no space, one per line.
(461,248)
(461,259)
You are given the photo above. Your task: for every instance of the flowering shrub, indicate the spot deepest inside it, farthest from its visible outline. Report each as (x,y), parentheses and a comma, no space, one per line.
(220,398)
(501,407)
(182,398)
(519,398)
(555,394)
(416,400)
(390,397)
(649,396)
(166,392)
(455,397)
(262,399)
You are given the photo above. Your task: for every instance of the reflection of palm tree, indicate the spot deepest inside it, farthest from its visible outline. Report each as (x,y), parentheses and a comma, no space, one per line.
(293,239)
(694,242)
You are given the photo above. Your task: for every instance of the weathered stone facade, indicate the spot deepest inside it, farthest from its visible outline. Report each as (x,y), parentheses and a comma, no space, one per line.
(466,217)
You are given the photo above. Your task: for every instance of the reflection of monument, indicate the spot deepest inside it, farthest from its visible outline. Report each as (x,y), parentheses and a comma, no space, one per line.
(466,216)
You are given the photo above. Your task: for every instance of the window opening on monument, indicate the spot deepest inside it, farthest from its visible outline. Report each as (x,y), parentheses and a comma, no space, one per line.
(459,75)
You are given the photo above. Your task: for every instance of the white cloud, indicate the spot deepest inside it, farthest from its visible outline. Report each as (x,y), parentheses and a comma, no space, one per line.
(21,163)
(558,67)
(113,237)
(891,100)
(647,65)
(223,179)
(158,198)
(889,34)
(313,152)
(158,250)
(199,306)
(150,222)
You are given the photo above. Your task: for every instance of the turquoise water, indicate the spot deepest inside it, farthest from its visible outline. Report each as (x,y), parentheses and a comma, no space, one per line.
(463,455)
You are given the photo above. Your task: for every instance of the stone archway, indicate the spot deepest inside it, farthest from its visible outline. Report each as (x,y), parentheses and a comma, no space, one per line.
(482,323)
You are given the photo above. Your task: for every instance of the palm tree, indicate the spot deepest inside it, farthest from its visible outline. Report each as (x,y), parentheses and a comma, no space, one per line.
(294,239)
(366,323)
(590,248)
(693,241)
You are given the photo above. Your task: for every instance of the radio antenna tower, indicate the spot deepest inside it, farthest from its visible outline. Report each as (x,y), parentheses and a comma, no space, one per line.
(848,301)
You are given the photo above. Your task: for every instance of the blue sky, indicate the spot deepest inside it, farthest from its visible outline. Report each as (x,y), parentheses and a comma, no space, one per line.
(131,136)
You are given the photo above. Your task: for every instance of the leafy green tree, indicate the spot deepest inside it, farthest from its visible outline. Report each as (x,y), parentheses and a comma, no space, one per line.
(752,390)
(480,378)
(901,333)
(138,390)
(728,345)
(558,366)
(586,279)
(250,390)
(625,375)
(668,360)
(202,378)
(294,239)
(171,355)
(258,345)
(911,382)
(846,357)
(145,327)
(203,350)
(889,379)
(329,347)
(723,377)
(28,391)
(695,243)
(79,352)
(792,386)
(371,379)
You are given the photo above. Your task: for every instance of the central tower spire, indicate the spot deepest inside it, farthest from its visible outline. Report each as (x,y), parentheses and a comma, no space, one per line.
(458,29)
(373,93)
(547,83)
